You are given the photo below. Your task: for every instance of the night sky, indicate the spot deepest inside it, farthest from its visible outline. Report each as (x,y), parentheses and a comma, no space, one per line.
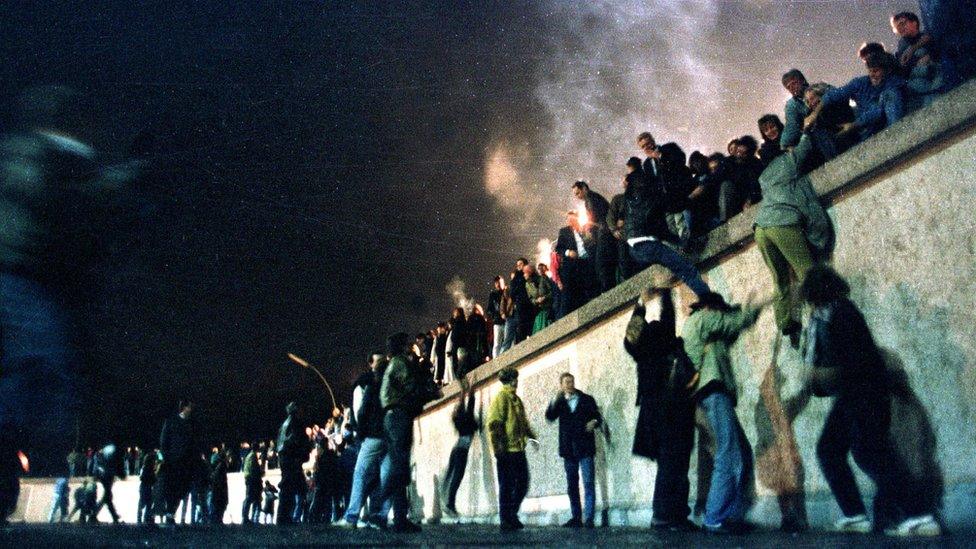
(322,171)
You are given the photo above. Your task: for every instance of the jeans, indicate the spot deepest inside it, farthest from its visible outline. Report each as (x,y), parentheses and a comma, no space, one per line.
(498,333)
(252,499)
(730,492)
(366,479)
(456,465)
(59,509)
(511,330)
(107,500)
(38,380)
(573,468)
(513,484)
(398,425)
(654,252)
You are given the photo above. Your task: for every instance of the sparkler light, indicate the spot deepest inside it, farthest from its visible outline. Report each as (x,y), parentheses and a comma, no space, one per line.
(583,215)
(24,462)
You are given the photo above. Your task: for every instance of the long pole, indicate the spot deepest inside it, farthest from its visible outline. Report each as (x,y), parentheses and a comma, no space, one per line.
(306,364)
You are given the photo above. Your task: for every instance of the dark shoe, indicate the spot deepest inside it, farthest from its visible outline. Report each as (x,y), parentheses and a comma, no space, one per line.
(589,524)
(727,529)
(683,525)
(506,526)
(573,523)
(405,527)
(450,512)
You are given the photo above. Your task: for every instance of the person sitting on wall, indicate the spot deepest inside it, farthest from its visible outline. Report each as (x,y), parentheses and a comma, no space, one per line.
(918,56)
(879,96)
(509,433)
(578,417)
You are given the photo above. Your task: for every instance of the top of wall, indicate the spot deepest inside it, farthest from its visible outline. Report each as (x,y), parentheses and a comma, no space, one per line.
(917,134)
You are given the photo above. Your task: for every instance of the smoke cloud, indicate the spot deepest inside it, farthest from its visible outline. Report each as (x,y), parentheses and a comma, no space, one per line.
(457,290)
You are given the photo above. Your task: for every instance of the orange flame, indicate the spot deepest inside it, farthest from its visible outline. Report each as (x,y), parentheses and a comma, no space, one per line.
(24,462)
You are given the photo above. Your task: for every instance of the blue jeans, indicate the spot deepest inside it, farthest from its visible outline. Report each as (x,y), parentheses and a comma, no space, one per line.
(730,493)
(511,330)
(366,479)
(654,252)
(38,380)
(573,468)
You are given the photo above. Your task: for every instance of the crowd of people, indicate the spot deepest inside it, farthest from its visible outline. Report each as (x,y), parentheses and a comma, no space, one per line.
(355,471)
(669,202)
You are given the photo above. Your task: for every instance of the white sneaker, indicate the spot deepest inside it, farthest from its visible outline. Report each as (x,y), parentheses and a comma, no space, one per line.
(858,524)
(925,525)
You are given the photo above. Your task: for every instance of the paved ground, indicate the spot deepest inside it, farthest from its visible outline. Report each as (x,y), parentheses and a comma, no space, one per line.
(73,535)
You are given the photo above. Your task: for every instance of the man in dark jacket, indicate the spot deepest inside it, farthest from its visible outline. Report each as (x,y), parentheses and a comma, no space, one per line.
(177,446)
(293,447)
(406,388)
(665,424)
(219,495)
(597,207)
(647,229)
(578,418)
(253,473)
(576,253)
(524,312)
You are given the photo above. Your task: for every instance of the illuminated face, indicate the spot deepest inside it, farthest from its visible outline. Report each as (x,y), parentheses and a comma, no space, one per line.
(904,27)
(770,131)
(647,145)
(519,265)
(741,152)
(876,75)
(528,271)
(579,193)
(811,99)
(567,384)
(795,86)
(543,269)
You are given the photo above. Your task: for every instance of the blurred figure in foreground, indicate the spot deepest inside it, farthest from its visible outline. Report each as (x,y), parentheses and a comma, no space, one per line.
(53,191)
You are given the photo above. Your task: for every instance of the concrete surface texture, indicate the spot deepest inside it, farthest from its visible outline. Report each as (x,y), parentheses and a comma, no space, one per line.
(902,204)
(432,536)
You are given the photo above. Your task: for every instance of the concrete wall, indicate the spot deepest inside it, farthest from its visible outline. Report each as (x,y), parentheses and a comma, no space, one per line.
(903,206)
(36,495)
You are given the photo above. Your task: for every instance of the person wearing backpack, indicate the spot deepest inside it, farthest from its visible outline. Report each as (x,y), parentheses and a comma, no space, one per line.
(709,332)
(666,420)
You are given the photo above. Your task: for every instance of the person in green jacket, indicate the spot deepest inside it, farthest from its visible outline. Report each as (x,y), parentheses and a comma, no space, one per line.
(709,332)
(792,230)
(539,289)
(509,433)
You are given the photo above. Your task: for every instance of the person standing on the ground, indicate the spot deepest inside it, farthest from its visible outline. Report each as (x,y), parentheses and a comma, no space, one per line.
(847,363)
(293,449)
(466,425)
(147,478)
(59,505)
(666,421)
(219,496)
(368,413)
(253,473)
(509,433)
(406,388)
(708,333)
(177,447)
(578,417)
(109,465)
